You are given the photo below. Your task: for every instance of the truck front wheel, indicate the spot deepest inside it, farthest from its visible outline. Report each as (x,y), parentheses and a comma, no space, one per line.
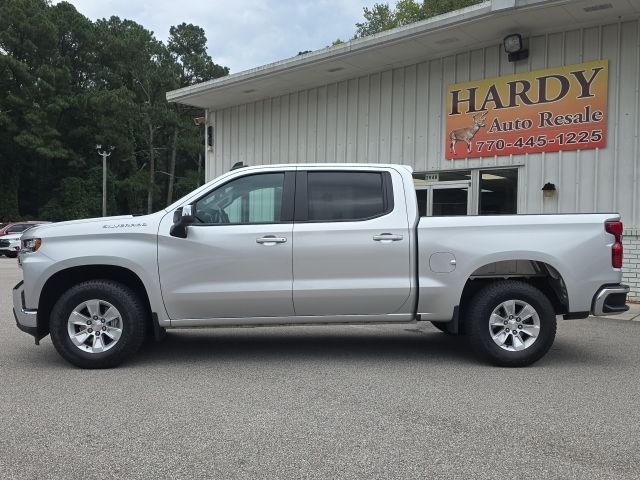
(511,323)
(98,324)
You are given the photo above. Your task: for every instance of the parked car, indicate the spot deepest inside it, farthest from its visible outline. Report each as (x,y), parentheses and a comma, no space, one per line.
(18,227)
(10,244)
(315,244)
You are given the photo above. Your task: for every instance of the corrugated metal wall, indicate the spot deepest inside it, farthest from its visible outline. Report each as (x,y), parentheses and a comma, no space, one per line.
(397,116)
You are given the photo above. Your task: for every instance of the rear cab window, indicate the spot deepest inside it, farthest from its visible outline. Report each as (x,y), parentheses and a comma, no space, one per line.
(339,196)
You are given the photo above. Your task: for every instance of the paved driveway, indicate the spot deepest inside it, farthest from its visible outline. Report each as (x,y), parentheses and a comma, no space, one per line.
(322,402)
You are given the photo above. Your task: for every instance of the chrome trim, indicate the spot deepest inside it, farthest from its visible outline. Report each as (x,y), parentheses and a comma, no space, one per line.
(601,297)
(25,317)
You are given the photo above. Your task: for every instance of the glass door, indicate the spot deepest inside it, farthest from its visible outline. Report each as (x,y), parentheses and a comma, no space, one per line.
(452,199)
(444,199)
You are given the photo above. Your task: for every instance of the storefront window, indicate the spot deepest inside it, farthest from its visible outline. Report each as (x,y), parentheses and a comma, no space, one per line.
(450,201)
(498,192)
(455,193)
(443,193)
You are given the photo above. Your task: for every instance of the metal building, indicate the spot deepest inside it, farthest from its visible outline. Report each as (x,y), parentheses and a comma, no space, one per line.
(385,99)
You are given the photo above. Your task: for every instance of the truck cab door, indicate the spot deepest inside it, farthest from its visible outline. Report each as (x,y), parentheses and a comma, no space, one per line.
(236,260)
(351,243)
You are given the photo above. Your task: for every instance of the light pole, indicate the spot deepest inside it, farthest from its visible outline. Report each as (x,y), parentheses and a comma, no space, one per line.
(104,154)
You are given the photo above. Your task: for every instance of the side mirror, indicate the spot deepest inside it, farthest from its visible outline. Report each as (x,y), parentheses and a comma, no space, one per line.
(182,218)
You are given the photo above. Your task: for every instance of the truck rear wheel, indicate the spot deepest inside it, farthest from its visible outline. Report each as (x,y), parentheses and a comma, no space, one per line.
(511,323)
(98,324)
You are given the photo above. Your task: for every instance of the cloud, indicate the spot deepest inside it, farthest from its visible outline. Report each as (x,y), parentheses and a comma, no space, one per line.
(242,34)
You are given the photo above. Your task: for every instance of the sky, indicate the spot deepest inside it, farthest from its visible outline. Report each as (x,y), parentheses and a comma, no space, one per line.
(242,34)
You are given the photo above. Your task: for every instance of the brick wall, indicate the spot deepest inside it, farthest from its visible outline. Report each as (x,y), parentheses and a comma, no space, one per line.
(631,266)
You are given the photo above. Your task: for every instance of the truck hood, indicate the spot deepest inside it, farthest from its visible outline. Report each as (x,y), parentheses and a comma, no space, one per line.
(100,225)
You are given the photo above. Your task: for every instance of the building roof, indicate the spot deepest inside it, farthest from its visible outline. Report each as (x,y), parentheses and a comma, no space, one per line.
(480,25)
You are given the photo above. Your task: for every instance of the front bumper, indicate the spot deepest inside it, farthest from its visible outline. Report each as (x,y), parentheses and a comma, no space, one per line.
(9,245)
(610,300)
(26,320)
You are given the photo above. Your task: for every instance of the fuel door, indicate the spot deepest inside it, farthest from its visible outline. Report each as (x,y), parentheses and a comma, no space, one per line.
(442,262)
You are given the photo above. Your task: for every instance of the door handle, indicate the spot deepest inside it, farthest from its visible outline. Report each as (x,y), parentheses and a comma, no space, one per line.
(387,237)
(270,240)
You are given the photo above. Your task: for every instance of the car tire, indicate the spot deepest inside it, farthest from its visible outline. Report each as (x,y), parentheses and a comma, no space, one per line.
(12,254)
(98,324)
(511,323)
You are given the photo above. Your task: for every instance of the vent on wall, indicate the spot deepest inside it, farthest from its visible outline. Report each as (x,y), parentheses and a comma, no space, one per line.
(597,8)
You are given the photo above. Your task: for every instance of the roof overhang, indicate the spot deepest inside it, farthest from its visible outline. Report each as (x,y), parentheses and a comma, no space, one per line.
(480,25)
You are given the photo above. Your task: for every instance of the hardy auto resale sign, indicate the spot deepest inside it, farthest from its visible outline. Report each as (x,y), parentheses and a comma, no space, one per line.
(542,111)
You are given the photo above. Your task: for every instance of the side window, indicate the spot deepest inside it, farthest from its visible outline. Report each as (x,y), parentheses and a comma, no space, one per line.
(250,199)
(342,196)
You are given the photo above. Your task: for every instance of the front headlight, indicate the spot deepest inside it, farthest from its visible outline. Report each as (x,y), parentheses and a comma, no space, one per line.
(31,245)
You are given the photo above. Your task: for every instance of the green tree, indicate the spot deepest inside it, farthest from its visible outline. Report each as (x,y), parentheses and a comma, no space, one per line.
(67,84)
(30,70)
(138,65)
(382,17)
(187,46)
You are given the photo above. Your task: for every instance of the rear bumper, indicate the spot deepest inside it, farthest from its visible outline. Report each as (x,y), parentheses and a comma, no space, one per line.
(610,300)
(24,317)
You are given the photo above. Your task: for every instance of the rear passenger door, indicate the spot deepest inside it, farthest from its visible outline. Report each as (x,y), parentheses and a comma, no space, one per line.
(351,244)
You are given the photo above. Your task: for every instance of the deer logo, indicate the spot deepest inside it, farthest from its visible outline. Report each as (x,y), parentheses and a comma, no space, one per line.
(467,134)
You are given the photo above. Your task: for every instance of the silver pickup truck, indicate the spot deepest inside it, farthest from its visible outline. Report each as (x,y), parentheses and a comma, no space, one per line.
(315,244)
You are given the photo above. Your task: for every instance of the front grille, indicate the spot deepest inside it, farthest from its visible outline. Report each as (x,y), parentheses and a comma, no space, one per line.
(4,243)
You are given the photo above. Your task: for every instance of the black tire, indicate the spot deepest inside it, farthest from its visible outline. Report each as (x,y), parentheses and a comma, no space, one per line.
(132,314)
(479,313)
(12,254)
(444,327)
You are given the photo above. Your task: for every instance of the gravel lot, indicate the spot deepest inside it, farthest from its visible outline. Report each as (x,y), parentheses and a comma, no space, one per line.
(321,402)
